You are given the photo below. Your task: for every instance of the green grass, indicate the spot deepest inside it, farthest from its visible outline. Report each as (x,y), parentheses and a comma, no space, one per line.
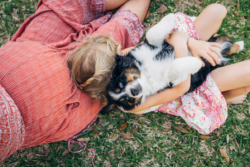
(149,145)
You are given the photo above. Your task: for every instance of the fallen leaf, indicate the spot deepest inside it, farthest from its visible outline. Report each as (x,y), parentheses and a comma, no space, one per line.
(67,150)
(134,130)
(5,38)
(165,130)
(181,129)
(147,15)
(204,137)
(96,133)
(84,139)
(162,9)
(123,125)
(127,135)
(236,14)
(93,128)
(162,15)
(242,32)
(224,154)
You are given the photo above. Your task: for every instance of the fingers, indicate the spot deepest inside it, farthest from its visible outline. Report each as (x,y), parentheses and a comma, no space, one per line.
(216,51)
(215,44)
(124,52)
(167,38)
(203,64)
(214,57)
(209,59)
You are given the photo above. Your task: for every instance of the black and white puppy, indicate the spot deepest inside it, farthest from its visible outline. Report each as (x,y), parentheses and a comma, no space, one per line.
(152,67)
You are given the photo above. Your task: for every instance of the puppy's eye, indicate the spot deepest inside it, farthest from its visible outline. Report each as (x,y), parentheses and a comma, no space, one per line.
(121,85)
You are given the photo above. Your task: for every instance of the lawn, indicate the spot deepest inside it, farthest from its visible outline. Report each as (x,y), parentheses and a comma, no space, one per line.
(153,139)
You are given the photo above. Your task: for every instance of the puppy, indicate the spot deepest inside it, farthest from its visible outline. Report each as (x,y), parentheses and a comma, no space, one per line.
(152,67)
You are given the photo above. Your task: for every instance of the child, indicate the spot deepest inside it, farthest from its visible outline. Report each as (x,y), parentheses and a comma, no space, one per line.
(205,109)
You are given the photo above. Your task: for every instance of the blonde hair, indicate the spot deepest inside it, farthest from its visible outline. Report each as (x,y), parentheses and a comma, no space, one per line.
(91,65)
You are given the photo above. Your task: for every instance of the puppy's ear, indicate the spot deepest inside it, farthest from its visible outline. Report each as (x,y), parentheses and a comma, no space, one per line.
(108,108)
(121,64)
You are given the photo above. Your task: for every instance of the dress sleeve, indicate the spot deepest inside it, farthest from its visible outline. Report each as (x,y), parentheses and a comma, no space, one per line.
(125,27)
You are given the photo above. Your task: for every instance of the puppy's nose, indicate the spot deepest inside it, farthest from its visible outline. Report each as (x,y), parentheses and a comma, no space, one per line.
(134,92)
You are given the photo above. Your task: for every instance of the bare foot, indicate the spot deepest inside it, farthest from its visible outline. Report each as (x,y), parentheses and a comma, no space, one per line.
(237,100)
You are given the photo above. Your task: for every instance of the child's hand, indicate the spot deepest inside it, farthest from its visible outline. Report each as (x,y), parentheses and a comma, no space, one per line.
(124,52)
(177,38)
(205,50)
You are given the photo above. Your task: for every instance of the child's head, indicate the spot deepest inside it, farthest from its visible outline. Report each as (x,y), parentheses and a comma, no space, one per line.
(91,65)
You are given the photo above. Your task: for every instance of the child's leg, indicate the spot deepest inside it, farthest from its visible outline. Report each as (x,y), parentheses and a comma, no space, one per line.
(139,7)
(240,93)
(233,80)
(209,21)
(112,4)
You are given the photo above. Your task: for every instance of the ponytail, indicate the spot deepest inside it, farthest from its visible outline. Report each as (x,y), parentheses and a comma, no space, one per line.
(91,65)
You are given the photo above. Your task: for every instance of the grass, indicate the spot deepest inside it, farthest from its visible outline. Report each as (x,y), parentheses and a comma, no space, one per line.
(153,139)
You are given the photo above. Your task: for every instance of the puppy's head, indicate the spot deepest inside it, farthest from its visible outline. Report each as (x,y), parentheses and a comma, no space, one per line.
(124,88)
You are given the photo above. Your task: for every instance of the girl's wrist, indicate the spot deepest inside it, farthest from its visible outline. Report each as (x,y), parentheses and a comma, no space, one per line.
(190,43)
(180,44)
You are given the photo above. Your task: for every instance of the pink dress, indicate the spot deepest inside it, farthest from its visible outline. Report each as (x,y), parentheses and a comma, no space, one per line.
(39,103)
(205,109)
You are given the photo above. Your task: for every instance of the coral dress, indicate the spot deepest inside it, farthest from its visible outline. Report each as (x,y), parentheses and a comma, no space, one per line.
(47,106)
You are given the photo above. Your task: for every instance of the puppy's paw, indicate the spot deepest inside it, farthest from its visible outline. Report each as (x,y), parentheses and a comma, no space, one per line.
(169,20)
(182,67)
(194,64)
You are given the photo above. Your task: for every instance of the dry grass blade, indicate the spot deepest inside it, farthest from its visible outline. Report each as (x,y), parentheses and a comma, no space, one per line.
(204,137)
(84,139)
(123,125)
(224,154)
(181,129)
(238,5)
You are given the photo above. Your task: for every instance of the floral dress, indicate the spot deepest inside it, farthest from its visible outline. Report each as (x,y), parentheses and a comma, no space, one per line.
(204,109)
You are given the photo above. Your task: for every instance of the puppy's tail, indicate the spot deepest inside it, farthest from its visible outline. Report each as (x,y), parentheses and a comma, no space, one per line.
(228,47)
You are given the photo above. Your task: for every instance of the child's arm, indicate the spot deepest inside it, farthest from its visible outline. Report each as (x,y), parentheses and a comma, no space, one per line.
(163,97)
(179,41)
